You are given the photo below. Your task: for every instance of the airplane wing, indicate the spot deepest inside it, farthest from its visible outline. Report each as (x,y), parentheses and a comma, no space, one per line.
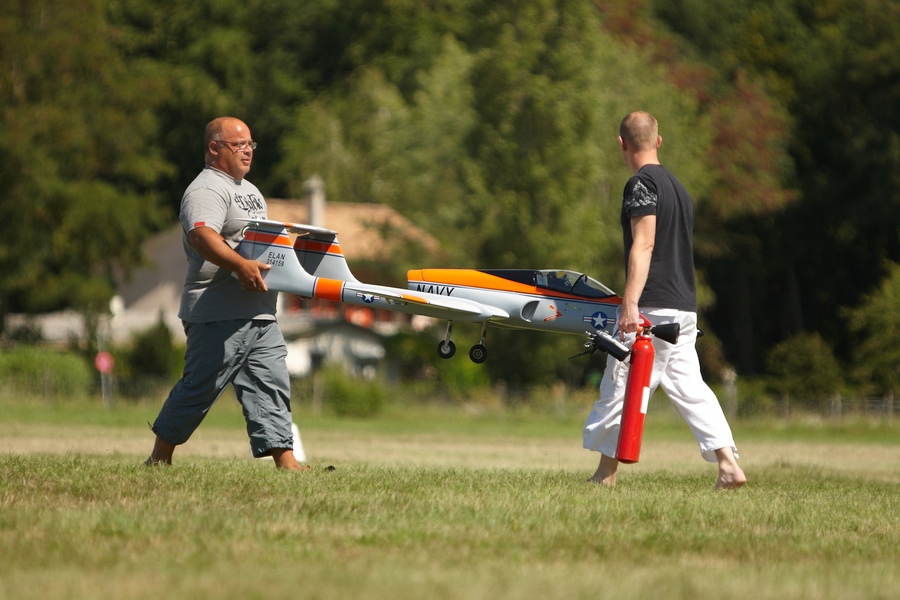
(428,304)
(293,227)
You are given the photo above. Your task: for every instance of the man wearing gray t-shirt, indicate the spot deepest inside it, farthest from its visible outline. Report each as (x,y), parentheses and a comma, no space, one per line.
(227,310)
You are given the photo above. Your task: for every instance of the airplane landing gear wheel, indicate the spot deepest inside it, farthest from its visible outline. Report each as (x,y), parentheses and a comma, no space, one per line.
(446,349)
(478,353)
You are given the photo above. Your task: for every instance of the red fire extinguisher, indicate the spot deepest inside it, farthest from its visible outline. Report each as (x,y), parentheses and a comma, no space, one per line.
(637,388)
(637,396)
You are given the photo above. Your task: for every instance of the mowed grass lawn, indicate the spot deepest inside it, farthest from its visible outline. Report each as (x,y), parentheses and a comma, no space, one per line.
(440,503)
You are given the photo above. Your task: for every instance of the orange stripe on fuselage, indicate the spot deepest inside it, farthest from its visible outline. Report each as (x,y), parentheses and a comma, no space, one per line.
(307,245)
(416,299)
(469,278)
(329,289)
(478,279)
(265,237)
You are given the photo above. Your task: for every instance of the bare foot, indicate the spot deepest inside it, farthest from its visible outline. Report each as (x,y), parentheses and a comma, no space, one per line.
(609,481)
(606,472)
(161,453)
(731,477)
(730,480)
(284,459)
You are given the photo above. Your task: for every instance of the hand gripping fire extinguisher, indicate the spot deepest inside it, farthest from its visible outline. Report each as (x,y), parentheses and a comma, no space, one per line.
(637,388)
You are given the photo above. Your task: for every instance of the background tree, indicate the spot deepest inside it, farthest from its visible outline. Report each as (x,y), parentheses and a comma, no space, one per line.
(803,367)
(202,54)
(876,323)
(80,160)
(828,64)
(501,143)
(492,126)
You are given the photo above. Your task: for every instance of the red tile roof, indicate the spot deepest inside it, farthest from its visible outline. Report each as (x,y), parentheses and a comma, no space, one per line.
(364,230)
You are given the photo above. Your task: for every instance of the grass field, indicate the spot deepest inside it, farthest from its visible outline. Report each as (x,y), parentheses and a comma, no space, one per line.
(440,503)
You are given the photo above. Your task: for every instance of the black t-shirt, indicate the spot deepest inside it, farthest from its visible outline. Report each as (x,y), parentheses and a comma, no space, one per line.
(655,191)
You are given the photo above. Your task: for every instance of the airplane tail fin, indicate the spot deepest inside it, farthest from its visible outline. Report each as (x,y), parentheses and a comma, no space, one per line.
(269,242)
(320,254)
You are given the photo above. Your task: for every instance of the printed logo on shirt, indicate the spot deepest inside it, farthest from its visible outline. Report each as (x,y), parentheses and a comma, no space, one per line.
(199,224)
(251,203)
(640,196)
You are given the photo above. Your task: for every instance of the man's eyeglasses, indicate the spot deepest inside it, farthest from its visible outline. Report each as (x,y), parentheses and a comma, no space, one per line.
(239,146)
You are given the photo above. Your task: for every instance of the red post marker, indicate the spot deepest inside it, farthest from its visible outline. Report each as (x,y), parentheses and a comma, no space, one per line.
(104,362)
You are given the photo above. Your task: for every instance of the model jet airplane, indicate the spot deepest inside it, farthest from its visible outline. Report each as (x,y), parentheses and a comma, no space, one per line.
(313,265)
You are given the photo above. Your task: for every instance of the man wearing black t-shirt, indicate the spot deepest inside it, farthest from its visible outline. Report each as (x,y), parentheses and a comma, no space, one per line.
(657,225)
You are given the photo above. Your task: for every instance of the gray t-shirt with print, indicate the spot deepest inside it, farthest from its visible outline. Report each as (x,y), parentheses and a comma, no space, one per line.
(215,200)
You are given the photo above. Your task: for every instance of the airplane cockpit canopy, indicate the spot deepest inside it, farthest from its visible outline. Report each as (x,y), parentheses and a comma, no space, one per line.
(558,280)
(572,282)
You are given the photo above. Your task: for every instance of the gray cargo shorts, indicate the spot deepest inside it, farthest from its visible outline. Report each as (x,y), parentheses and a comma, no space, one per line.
(251,356)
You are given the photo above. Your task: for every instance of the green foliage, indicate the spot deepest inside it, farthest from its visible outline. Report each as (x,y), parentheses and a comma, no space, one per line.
(755,397)
(79,164)
(834,84)
(497,140)
(352,397)
(153,354)
(876,322)
(414,356)
(49,373)
(460,377)
(501,141)
(411,354)
(803,367)
(490,125)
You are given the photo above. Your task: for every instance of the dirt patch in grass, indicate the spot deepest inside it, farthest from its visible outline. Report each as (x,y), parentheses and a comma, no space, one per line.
(479,451)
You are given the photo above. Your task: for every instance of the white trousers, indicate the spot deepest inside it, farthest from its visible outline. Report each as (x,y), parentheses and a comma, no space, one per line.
(677,369)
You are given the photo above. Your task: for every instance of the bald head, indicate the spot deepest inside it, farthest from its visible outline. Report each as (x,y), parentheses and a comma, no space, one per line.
(216,128)
(639,140)
(640,131)
(229,146)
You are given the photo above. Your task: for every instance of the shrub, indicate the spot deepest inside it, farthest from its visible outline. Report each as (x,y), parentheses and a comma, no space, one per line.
(754,397)
(31,370)
(460,377)
(149,364)
(803,367)
(351,397)
(876,322)
(413,356)
(154,355)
